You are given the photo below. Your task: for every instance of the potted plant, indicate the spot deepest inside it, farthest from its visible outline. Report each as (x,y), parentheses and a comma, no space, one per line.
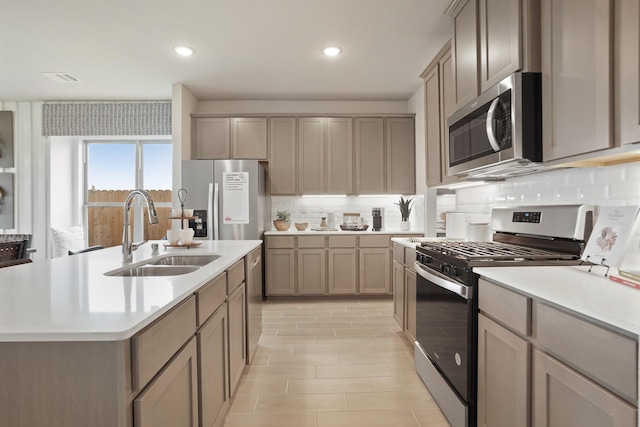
(282,221)
(405,211)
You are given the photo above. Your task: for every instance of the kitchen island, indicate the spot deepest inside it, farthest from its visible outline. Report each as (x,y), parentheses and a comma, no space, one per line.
(81,348)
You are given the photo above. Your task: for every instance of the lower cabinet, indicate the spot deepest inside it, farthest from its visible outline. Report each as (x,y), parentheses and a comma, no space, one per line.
(171,399)
(399,299)
(504,363)
(281,272)
(410,304)
(312,265)
(213,361)
(562,397)
(375,264)
(342,271)
(237,312)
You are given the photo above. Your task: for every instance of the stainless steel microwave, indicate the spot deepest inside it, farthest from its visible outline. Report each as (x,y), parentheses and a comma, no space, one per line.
(499,134)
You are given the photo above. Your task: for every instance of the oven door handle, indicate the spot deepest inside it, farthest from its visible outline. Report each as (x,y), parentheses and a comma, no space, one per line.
(457,288)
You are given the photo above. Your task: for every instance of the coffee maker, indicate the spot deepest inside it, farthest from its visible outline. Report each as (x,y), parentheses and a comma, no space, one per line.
(376,213)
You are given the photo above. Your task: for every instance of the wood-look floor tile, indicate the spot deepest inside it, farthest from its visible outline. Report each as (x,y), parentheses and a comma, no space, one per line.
(286,340)
(329,385)
(403,418)
(431,417)
(389,400)
(373,358)
(355,341)
(338,349)
(278,372)
(333,325)
(354,371)
(341,318)
(304,359)
(243,404)
(398,383)
(306,313)
(292,403)
(299,332)
(271,420)
(287,319)
(354,332)
(256,387)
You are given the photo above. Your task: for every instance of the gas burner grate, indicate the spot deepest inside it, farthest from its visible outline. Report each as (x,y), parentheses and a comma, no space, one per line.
(493,251)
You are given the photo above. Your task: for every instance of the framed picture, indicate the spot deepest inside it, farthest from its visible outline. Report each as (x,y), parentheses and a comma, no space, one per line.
(7,201)
(6,139)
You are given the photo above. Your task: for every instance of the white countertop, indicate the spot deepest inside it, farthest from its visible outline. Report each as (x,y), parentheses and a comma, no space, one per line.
(70,298)
(412,243)
(293,232)
(588,294)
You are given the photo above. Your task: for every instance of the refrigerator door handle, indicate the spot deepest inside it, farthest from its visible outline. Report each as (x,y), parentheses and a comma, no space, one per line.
(216,205)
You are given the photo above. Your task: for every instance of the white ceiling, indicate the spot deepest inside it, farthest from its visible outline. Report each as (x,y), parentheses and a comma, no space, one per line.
(245,49)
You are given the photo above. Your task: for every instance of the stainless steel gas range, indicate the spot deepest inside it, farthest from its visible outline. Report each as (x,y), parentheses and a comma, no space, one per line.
(447,293)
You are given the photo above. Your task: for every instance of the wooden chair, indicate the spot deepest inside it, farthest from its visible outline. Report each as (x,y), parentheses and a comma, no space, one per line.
(15,262)
(12,250)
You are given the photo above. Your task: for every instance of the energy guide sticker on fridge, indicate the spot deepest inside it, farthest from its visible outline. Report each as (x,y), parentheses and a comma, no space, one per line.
(235,194)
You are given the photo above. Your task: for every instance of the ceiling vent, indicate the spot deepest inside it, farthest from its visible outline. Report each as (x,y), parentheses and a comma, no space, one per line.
(62,77)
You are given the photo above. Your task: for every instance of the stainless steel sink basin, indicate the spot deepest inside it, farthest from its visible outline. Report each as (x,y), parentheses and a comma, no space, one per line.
(154,270)
(195,260)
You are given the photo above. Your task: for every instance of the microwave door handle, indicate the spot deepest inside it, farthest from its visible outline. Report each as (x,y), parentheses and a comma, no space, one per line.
(489,125)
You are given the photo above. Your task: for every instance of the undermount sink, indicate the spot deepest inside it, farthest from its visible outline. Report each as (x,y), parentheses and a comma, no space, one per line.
(195,260)
(154,270)
(172,265)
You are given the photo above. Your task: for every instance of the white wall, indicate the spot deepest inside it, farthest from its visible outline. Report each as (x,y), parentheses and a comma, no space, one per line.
(183,104)
(302,107)
(65,182)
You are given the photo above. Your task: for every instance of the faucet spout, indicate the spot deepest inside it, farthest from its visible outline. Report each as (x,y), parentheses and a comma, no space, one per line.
(127,246)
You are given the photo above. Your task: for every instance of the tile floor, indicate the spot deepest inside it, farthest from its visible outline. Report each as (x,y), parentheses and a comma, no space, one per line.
(332,364)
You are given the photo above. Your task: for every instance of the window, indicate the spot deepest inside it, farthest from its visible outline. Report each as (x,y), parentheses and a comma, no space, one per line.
(112,169)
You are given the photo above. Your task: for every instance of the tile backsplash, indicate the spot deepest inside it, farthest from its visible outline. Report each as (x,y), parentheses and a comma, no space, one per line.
(617,185)
(312,209)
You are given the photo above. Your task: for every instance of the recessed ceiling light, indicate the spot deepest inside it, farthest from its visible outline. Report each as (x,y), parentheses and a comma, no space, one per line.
(332,50)
(183,50)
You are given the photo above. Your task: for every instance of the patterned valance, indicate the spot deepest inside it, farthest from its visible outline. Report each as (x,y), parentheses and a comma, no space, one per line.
(106,118)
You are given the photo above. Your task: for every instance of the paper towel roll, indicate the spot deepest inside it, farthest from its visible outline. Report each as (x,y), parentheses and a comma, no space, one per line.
(456,225)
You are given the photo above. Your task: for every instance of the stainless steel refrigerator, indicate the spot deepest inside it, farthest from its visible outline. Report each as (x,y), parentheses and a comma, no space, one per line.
(232,192)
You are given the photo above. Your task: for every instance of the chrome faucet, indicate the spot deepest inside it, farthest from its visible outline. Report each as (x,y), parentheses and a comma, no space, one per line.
(127,246)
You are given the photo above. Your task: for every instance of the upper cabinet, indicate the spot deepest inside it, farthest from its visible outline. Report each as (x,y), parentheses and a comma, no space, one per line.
(385,155)
(325,147)
(577,54)
(282,155)
(439,96)
(626,64)
(230,138)
(491,40)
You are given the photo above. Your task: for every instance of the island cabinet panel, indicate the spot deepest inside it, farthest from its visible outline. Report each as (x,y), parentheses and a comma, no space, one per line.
(563,397)
(210,297)
(370,155)
(213,361)
(171,400)
(399,297)
(504,365)
(156,344)
(237,312)
(235,276)
(282,156)
(70,384)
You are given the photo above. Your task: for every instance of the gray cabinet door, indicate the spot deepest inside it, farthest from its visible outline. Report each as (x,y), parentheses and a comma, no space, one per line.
(576,76)
(465,53)
(375,275)
(311,271)
(627,61)
(564,398)
(249,138)
(399,294)
(370,155)
(342,271)
(401,159)
(339,141)
(212,138)
(282,156)
(410,306)
(504,363)
(280,272)
(237,312)
(311,156)
(213,346)
(171,399)
(432,127)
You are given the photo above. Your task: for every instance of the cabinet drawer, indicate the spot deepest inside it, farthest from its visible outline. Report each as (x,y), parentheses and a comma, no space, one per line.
(601,354)
(398,253)
(342,241)
(210,297)
(381,241)
(508,307)
(235,276)
(280,242)
(153,347)
(311,242)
